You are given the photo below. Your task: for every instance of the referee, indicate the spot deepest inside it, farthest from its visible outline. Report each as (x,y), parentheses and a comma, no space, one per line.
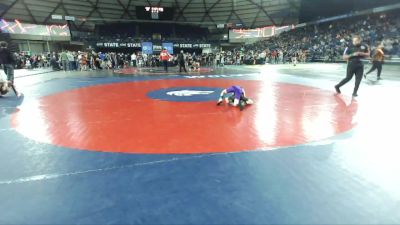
(353,55)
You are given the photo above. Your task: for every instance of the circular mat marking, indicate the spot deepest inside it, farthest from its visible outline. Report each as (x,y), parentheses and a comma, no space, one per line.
(120,117)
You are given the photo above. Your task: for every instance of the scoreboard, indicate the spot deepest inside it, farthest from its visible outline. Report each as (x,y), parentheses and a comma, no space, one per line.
(154,13)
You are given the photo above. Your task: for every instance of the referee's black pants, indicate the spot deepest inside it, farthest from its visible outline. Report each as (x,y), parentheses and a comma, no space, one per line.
(182,65)
(356,69)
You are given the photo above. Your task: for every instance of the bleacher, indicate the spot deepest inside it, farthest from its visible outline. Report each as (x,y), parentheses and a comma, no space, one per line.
(326,41)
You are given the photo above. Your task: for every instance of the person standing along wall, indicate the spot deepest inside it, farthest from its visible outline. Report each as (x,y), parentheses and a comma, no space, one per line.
(71,61)
(274,55)
(64,60)
(217,59)
(164,57)
(181,62)
(133,59)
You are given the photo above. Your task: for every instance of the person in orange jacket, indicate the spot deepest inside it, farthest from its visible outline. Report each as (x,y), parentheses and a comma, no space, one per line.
(164,57)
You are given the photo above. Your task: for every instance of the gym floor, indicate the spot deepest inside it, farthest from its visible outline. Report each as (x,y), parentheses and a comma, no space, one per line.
(137,146)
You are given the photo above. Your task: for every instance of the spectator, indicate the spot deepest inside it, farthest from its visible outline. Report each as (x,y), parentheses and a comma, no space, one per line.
(64,60)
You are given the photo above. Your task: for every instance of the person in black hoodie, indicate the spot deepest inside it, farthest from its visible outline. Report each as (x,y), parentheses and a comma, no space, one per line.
(8,61)
(181,62)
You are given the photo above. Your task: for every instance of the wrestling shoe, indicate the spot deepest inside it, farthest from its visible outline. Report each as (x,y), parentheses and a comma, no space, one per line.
(337,90)
(242,104)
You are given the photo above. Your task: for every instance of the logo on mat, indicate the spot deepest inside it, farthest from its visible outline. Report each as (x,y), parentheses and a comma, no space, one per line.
(186,94)
(189,92)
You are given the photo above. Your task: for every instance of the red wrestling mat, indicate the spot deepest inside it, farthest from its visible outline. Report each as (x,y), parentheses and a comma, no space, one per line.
(120,117)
